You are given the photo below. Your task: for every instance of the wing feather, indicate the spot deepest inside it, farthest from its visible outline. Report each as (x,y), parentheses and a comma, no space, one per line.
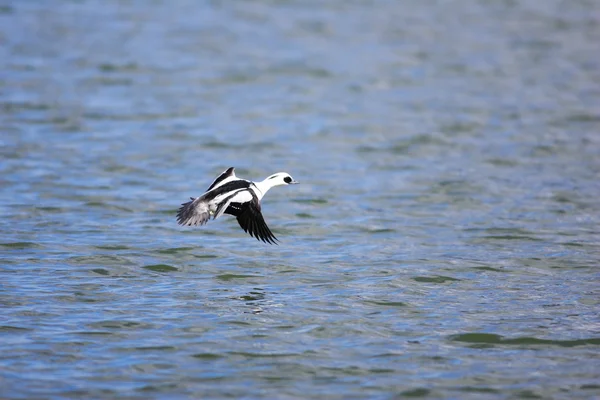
(194,212)
(251,221)
(228,173)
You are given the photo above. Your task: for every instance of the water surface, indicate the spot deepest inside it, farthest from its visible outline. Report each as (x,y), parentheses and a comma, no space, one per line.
(444,242)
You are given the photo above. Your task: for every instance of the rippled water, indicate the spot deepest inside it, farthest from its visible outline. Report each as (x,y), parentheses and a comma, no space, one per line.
(444,242)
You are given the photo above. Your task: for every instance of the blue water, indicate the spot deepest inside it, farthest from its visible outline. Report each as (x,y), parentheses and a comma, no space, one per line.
(444,241)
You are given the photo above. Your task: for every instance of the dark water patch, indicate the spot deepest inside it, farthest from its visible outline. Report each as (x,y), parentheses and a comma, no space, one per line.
(490,269)
(502,234)
(21,245)
(253,296)
(109,81)
(54,225)
(165,387)
(11,107)
(310,201)
(418,392)
(132,117)
(354,370)
(500,231)
(275,379)
(205,256)
(166,211)
(112,247)
(553,263)
(94,333)
(454,187)
(101,271)
(572,244)
(108,206)
(50,209)
(528,394)
(583,117)
(386,303)
(103,259)
(135,183)
(490,338)
(590,387)
(120,325)
(175,250)
(565,197)
(285,327)
(287,270)
(262,355)
(239,323)
(475,389)
(150,367)
(110,67)
(382,371)
(87,394)
(435,279)
(160,268)
(10,328)
(80,298)
(458,128)
(155,348)
(305,216)
(4,262)
(502,162)
(123,169)
(378,230)
(215,144)
(369,149)
(236,77)
(231,277)
(207,356)
(297,69)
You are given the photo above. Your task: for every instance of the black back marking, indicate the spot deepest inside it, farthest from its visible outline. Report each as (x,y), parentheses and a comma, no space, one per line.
(228,187)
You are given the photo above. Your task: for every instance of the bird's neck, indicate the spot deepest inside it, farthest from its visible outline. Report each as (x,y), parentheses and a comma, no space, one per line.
(263,187)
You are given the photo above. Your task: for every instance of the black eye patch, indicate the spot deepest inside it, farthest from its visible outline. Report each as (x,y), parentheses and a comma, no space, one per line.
(287,179)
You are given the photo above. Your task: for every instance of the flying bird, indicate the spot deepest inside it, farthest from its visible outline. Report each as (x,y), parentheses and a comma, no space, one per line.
(238,197)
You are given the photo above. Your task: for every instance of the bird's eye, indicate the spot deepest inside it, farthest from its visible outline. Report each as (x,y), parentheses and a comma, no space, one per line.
(287,179)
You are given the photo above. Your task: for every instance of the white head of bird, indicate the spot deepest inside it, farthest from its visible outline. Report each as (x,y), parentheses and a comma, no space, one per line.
(278,179)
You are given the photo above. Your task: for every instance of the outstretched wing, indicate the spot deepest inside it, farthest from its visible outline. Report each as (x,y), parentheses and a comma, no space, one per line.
(251,220)
(228,173)
(194,212)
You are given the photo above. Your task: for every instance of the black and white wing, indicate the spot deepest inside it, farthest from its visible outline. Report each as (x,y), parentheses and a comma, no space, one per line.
(226,175)
(214,202)
(251,220)
(194,212)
